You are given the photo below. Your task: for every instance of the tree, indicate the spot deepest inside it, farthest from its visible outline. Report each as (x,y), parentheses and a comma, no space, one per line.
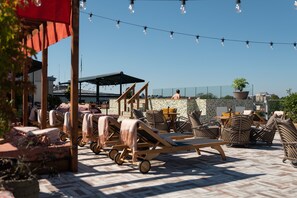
(290,106)
(206,96)
(12,60)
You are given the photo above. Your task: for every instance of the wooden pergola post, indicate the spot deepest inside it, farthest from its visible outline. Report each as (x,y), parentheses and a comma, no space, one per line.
(74,85)
(44,80)
(25,93)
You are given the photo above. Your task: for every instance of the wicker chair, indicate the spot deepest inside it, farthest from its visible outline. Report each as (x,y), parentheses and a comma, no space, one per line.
(265,133)
(288,135)
(138,114)
(202,130)
(156,119)
(238,133)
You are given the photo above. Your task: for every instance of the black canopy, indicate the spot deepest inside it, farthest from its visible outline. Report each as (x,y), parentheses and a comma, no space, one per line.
(111,79)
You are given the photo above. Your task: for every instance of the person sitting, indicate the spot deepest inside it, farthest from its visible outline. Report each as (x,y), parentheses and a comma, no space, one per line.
(176,96)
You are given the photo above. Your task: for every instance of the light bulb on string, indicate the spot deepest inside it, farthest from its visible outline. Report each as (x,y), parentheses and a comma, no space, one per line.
(26,2)
(295,4)
(37,3)
(247,44)
(295,46)
(90,17)
(171,34)
(197,39)
(118,24)
(223,42)
(131,6)
(183,7)
(237,6)
(271,45)
(83,4)
(145,30)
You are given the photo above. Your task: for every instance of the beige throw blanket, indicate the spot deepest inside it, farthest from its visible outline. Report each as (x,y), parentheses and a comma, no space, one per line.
(129,134)
(103,129)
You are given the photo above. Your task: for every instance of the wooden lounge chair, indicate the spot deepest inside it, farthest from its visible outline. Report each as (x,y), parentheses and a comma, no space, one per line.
(142,143)
(108,136)
(288,135)
(238,130)
(202,130)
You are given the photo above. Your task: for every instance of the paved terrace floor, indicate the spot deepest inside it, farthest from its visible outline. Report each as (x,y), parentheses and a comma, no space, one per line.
(256,171)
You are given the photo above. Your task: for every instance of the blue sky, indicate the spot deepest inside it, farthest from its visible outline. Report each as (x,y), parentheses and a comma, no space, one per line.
(181,62)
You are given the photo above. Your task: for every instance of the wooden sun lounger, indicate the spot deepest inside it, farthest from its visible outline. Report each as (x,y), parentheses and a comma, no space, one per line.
(152,144)
(111,143)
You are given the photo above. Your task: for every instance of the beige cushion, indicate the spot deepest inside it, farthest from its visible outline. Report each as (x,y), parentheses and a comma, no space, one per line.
(194,118)
(270,123)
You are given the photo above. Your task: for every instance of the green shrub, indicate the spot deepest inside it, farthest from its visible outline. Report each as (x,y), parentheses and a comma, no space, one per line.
(289,104)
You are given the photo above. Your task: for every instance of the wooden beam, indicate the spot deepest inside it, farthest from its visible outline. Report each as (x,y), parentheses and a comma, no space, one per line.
(74,85)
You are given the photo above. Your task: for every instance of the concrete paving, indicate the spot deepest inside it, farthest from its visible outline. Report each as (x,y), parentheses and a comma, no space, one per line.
(257,171)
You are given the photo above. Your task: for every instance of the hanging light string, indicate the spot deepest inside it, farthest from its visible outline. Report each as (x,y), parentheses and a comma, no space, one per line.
(196,37)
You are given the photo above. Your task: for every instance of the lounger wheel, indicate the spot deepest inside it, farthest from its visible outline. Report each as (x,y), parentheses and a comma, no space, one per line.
(96,148)
(63,136)
(92,146)
(144,166)
(112,153)
(294,163)
(80,142)
(117,159)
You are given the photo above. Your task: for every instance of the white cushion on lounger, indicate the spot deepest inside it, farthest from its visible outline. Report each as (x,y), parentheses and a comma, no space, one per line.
(52,133)
(25,129)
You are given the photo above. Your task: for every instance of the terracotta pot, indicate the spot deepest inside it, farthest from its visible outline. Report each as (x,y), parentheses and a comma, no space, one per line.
(241,95)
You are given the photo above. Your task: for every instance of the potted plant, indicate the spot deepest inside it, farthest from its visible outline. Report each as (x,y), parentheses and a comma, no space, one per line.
(239,84)
(17,177)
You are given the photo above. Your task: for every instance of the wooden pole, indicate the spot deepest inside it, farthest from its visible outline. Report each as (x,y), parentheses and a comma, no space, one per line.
(74,85)
(25,93)
(12,91)
(44,81)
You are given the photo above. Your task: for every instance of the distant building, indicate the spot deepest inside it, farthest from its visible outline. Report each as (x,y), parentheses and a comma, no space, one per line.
(35,78)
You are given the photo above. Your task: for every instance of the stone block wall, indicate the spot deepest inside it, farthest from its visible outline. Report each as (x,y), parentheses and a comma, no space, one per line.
(184,106)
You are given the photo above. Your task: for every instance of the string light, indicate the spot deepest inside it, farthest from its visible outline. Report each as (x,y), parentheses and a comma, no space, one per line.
(183,7)
(83,4)
(223,42)
(37,3)
(247,44)
(197,39)
(171,34)
(145,30)
(131,6)
(295,4)
(26,2)
(196,36)
(237,6)
(118,24)
(90,17)
(271,45)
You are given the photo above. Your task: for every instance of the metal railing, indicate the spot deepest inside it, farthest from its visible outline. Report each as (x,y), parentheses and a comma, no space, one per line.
(211,91)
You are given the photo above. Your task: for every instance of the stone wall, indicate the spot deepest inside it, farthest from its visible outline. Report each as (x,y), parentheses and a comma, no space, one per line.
(184,106)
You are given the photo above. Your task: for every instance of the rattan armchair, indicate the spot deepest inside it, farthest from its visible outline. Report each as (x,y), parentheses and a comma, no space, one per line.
(265,133)
(288,135)
(156,119)
(238,132)
(202,130)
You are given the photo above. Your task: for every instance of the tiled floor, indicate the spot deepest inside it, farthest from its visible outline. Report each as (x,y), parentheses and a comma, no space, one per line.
(256,171)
